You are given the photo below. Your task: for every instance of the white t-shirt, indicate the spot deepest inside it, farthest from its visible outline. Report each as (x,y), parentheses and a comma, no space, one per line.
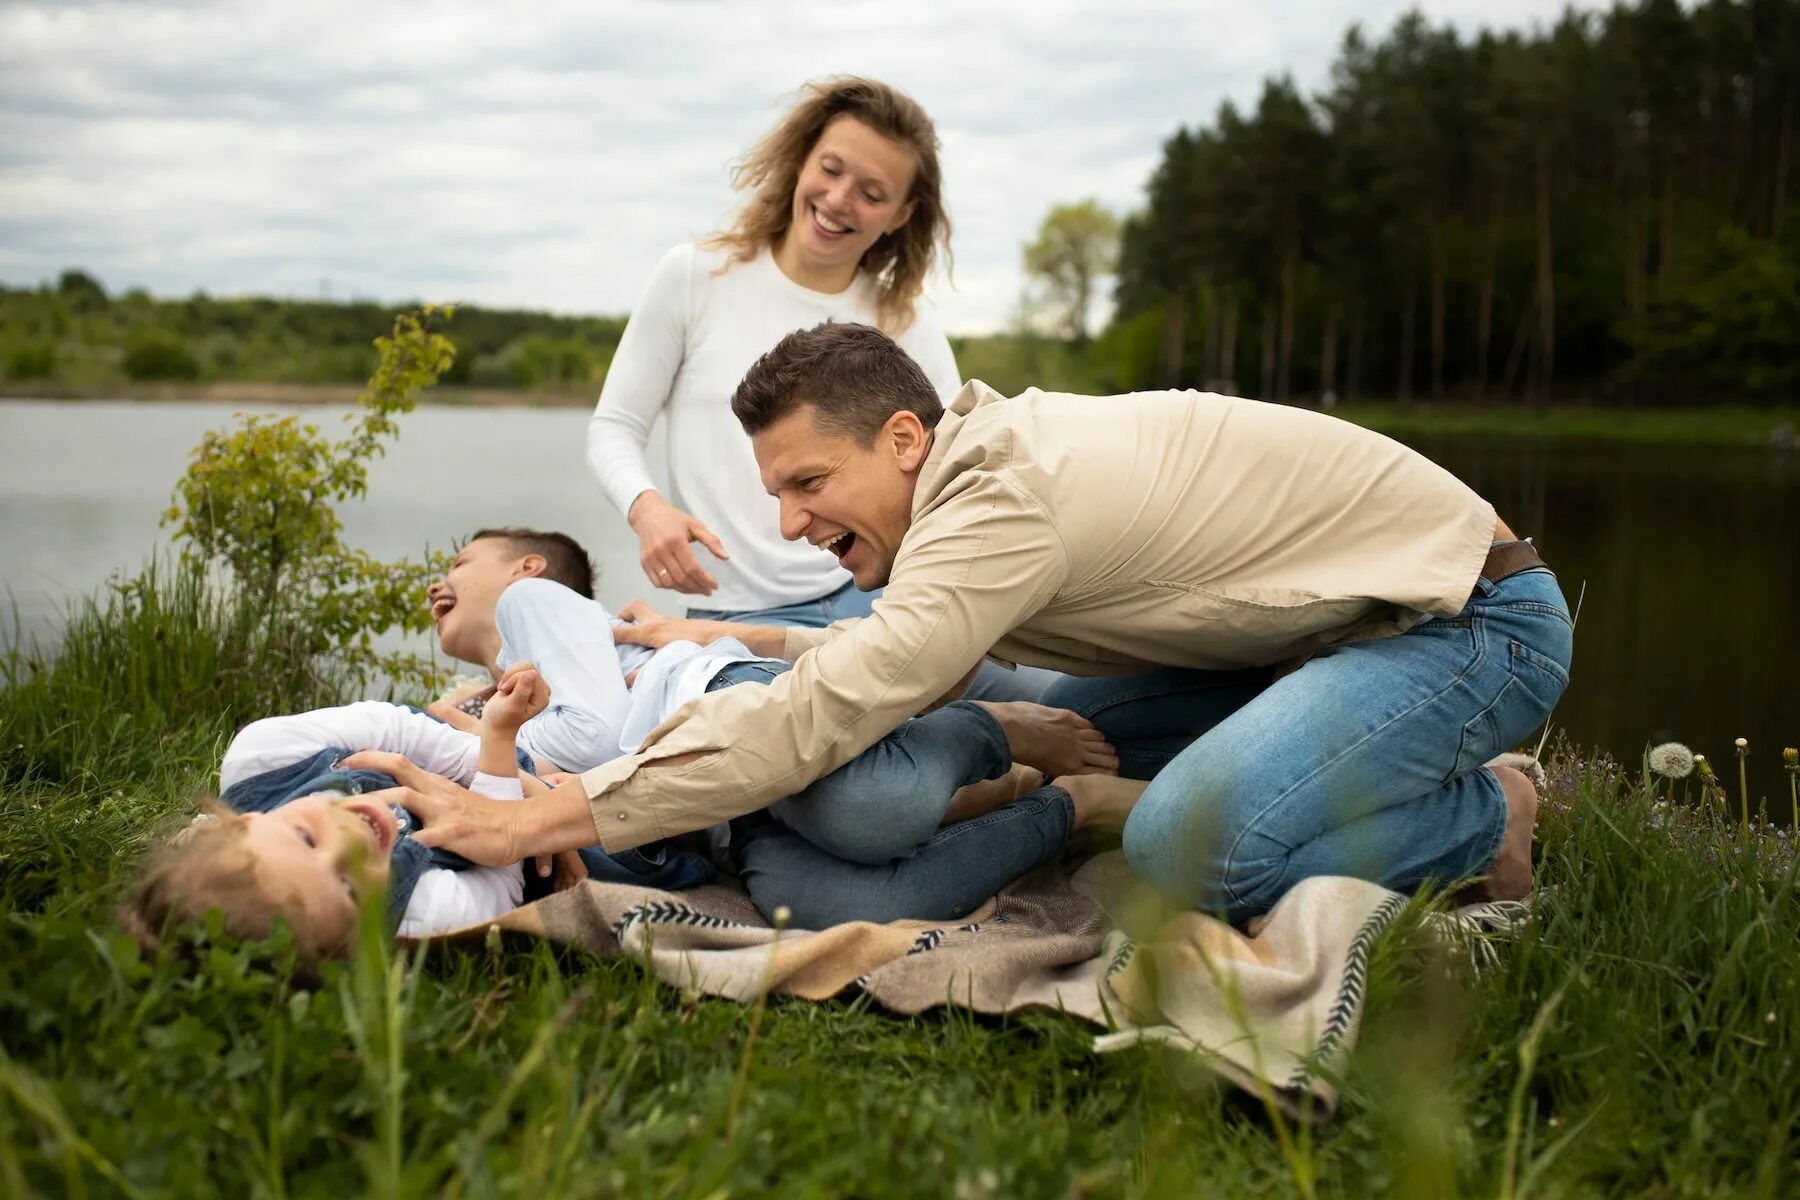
(690,340)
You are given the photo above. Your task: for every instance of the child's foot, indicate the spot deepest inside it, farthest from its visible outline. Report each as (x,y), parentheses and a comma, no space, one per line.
(1054,740)
(1102,801)
(1509,878)
(979,799)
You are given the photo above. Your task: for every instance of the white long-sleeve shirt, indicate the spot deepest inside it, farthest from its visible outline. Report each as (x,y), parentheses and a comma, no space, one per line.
(693,335)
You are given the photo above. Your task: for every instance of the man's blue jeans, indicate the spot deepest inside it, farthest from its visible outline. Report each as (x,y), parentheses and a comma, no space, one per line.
(992,682)
(864,844)
(1366,761)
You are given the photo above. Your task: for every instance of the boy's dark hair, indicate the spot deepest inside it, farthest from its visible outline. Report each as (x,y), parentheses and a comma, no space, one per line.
(564,559)
(854,377)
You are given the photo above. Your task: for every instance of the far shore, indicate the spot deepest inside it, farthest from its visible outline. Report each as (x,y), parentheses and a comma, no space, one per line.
(1724,425)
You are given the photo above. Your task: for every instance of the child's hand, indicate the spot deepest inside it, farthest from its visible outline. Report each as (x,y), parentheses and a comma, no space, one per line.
(520,695)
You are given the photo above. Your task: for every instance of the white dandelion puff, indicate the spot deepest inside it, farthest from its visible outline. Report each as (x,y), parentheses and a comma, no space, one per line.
(1672,760)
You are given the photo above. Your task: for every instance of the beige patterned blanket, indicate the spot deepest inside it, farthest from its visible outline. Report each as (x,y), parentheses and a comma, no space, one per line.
(1266,1012)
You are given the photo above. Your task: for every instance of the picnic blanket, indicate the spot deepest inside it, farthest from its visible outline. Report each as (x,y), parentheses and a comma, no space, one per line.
(1273,1012)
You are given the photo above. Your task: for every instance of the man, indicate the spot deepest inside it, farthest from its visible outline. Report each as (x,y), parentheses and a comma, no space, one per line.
(1106,537)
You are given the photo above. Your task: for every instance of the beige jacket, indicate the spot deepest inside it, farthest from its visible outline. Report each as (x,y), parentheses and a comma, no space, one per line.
(1091,535)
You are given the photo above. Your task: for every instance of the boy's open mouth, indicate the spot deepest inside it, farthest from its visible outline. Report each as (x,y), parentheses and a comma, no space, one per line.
(840,544)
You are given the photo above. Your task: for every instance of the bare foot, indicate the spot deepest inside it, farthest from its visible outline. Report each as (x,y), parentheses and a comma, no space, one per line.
(1509,878)
(1054,740)
(979,799)
(1102,801)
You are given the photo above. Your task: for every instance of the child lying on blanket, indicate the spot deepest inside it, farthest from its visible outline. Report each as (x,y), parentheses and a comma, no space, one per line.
(299,836)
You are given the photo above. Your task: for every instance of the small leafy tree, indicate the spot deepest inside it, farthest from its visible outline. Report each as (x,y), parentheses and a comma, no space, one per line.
(1076,245)
(261,500)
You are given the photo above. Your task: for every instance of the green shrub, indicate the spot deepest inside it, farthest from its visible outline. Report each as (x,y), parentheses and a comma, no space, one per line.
(155,356)
(32,360)
(261,502)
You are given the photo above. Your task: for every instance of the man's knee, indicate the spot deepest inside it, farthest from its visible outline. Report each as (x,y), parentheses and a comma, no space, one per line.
(1198,842)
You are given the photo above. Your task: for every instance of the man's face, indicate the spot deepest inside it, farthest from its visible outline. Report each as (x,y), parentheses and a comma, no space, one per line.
(317,855)
(851,501)
(462,602)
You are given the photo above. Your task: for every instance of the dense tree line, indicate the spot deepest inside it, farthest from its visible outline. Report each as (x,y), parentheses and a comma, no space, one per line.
(71,332)
(1606,206)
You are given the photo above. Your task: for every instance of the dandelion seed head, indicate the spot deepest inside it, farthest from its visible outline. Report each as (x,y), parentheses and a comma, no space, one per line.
(1672,760)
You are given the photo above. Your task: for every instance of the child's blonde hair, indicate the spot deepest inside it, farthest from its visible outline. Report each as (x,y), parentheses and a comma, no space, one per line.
(207,865)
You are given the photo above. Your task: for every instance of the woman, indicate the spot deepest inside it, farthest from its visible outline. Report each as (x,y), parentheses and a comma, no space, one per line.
(844,217)
(842,221)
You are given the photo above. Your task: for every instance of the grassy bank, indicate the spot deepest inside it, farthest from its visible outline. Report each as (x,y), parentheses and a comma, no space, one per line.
(1636,1039)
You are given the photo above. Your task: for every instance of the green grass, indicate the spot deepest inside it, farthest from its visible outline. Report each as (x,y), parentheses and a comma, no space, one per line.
(1727,425)
(1654,997)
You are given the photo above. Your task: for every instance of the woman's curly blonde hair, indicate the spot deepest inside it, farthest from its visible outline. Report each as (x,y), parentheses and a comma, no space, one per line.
(900,261)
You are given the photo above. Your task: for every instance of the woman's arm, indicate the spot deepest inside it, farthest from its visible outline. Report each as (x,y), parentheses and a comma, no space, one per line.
(636,391)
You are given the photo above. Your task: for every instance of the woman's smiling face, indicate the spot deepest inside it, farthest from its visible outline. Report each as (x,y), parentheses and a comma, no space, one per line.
(853,188)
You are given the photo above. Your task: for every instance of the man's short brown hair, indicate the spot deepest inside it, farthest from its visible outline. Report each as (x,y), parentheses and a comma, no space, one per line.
(565,561)
(853,377)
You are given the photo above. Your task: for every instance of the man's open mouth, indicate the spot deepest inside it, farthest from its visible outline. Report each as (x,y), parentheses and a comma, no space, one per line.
(839,544)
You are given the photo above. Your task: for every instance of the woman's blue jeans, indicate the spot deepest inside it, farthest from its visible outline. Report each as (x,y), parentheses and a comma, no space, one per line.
(864,844)
(992,682)
(1366,761)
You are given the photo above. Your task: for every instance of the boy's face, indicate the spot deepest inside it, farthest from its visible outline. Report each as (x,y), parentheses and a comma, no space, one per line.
(318,855)
(463,601)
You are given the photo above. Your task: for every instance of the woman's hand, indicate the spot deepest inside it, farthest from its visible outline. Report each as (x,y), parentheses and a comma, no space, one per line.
(481,830)
(664,532)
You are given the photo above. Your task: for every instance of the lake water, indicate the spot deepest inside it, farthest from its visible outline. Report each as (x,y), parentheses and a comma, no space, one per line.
(1690,558)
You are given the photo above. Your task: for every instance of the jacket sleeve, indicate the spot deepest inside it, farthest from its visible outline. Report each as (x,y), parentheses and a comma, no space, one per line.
(980,559)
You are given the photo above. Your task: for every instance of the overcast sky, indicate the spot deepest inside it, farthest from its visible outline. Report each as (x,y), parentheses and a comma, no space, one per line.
(544,155)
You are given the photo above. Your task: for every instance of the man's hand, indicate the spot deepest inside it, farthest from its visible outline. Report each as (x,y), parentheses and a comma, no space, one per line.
(520,695)
(481,830)
(664,533)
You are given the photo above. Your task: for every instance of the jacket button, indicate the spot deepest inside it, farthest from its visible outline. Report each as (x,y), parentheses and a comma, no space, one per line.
(621,816)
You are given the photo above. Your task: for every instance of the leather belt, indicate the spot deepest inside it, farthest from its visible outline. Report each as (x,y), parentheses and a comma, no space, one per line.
(1509,558)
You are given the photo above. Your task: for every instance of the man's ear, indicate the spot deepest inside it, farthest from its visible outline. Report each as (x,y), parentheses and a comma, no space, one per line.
(532,566)
(909,438)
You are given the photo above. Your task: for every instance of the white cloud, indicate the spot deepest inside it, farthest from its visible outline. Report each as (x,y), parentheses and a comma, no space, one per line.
(546,157)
